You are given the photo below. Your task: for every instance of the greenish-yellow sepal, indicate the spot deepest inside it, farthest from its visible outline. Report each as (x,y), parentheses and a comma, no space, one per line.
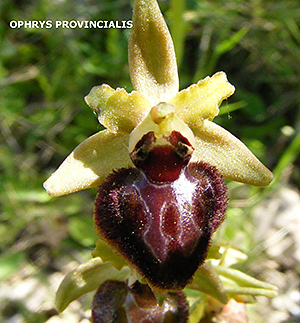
(152,60)
(233,159)
(86,278)
(90,163)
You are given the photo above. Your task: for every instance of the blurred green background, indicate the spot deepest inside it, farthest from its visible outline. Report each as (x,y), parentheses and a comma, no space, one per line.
(44,75)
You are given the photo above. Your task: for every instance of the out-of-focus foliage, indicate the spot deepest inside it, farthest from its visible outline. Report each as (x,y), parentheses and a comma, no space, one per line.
(45,73)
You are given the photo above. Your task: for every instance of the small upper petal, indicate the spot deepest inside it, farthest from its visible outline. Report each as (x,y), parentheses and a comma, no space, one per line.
(233,159)
(98,97)
(90,163)
(202,100)
(118,110)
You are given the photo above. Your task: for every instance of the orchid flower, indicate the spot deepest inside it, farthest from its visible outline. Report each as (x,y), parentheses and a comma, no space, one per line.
(154,76)
(159,166)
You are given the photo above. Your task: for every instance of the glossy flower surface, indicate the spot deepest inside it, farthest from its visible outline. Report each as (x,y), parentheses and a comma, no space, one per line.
(154,76)
(162,229)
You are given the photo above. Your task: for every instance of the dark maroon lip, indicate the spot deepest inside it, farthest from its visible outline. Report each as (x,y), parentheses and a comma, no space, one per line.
(162,229)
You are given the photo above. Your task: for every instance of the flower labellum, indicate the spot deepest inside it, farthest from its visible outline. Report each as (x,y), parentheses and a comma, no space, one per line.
(114,301)
(161,215)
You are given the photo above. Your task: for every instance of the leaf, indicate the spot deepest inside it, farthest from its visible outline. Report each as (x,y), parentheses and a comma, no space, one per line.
(239,283)
(227,44)
(86,278)
(207,281)
(90,163)
(197,303)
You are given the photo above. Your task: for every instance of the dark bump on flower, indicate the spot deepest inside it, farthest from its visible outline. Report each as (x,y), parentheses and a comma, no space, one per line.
(183,147)
(162,163)
(108,301)
(143,295)
(116,302)
(163,230)
(143,146)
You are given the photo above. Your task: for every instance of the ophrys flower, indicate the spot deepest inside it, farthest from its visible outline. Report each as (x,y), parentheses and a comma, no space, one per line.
(160,215)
